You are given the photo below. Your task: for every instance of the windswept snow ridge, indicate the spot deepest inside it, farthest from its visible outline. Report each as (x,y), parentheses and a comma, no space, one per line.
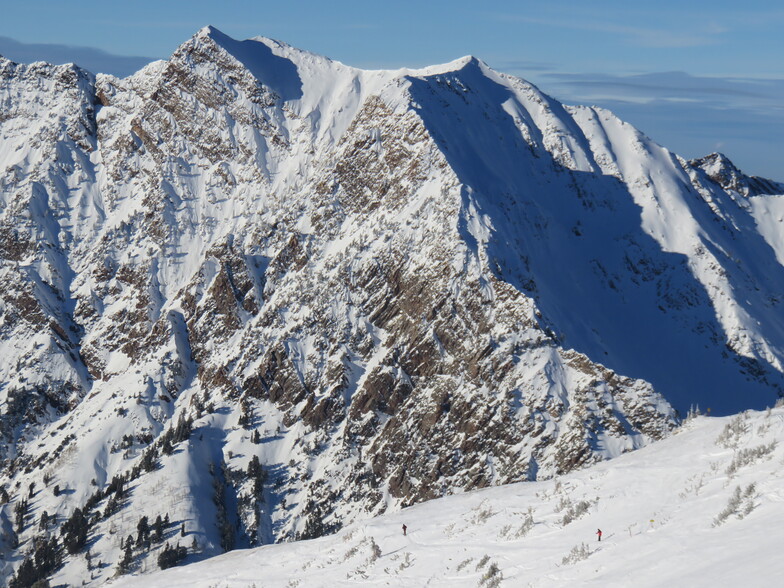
(269,295)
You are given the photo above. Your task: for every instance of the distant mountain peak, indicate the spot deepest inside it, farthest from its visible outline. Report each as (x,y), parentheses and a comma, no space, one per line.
(719,168)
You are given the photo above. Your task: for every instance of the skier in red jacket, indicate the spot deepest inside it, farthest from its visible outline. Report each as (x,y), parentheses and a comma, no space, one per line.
(599,534)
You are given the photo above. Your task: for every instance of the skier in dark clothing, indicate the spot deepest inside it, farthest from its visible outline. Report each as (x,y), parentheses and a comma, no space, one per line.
(599,534)
(404,530)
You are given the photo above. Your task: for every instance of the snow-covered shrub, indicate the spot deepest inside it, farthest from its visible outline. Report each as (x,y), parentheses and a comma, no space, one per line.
(482,513)
(492,576)
(697,483)
(740,504)
(578,553)
(572,510)
(407,562)
(483,562)
(509,532)
(748,456)
(375,550)
(351,552)
(733,431)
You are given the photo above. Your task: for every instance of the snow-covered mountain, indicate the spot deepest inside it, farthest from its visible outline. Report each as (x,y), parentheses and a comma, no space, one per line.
(267,294)
(702,508)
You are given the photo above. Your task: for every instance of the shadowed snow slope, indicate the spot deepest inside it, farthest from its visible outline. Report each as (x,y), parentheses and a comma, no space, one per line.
(702,508)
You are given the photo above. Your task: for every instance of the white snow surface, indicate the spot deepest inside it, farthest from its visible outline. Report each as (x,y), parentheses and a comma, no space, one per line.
(667,513)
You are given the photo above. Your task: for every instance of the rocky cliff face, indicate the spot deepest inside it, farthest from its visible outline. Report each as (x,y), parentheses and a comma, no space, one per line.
(265,294)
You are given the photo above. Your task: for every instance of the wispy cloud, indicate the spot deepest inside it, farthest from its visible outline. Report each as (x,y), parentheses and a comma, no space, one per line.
(735,92)
(652,37)
(94,60)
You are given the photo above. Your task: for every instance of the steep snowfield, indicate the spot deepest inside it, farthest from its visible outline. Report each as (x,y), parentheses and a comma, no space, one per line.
(667,512)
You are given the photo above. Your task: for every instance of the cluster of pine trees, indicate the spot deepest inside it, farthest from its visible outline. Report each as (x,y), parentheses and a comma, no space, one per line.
(49,551)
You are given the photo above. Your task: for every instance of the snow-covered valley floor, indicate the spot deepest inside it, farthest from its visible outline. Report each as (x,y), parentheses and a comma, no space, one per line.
(704,507)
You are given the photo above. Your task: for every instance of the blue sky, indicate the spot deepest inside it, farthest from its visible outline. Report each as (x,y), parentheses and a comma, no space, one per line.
(696,76)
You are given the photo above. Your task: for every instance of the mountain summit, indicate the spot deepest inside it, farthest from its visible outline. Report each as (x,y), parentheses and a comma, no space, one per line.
(266,294)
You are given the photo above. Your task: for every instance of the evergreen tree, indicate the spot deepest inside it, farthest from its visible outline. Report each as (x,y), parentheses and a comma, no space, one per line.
(166,445)
(75,531)
(171,556)
(125,563)
(116,486)
(20,512)
(184,428)
(158,528)
(26,575)
(149,460)
(34,570)
(256,473)
(143,527)
(246,415)
(112,506)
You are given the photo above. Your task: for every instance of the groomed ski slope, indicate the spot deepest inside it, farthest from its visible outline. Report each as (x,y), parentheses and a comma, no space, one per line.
(667,511)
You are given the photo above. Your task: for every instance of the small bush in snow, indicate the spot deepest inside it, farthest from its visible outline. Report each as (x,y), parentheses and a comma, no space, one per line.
(406,563)
(483,562)
(492,577)
(733,431)
(740,504)
(509,532)
(464,563)
(375,550)
(482,513)
(749,456)
(351,552)
(697,484)
(578,553)
(575,511)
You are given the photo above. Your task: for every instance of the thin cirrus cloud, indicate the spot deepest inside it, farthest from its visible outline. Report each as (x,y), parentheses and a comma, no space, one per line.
(736,92)
(650,37)
(94,60)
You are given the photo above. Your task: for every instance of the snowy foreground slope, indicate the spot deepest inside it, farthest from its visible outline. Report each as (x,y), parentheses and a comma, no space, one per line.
(263,295)
(702,508)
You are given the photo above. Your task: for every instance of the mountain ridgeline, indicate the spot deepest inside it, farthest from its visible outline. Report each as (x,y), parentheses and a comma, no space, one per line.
(266,294)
